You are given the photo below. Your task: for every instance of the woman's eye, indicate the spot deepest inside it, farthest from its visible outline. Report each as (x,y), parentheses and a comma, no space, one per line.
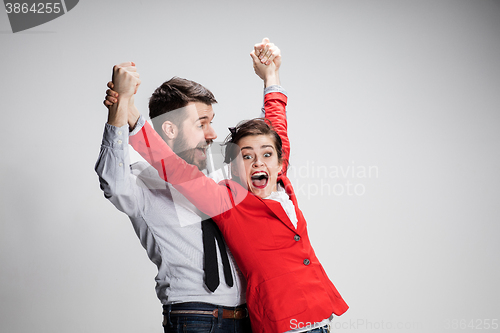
(267,154)
(247,157)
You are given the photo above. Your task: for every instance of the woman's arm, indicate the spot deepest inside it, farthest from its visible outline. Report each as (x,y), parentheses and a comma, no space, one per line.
(266,63)
(209,197)
(275,105)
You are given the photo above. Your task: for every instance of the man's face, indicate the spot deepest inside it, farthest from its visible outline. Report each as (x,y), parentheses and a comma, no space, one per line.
(195,134)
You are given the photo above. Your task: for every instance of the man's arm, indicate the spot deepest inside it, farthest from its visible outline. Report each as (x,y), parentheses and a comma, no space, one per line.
(112,166)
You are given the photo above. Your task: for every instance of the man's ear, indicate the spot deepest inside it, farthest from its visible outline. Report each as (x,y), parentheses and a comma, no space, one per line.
(169,130)
(234,168)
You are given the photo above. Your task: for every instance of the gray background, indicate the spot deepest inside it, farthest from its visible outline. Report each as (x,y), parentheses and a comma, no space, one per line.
(406,89)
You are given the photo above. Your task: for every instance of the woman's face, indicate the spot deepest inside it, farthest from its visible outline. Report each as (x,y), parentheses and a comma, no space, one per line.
(260,166)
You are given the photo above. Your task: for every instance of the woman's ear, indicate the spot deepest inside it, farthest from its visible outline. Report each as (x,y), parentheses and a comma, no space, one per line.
(169,130)
(280,167)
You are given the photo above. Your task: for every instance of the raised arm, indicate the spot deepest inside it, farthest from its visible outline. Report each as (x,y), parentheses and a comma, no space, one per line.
(125,98)
(125,82)
(266,62)
(115,177)
(275,105)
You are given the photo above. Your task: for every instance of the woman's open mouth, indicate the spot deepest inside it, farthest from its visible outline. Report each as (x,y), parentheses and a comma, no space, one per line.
(259,179)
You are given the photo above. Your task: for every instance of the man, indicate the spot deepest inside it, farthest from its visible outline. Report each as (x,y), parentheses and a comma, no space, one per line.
(198,282)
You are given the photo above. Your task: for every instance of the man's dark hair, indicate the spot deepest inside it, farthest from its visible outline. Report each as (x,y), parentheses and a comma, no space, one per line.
(174,94)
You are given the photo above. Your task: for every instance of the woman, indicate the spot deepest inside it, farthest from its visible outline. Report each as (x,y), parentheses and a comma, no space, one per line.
(258,214)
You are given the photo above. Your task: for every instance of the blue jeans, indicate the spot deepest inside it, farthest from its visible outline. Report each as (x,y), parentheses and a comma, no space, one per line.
(323,329)
(194,323)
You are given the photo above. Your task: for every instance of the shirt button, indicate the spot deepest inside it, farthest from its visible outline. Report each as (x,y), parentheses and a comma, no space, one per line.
(119,142)
(296,237)
(306,262)
(119,132)
(121,164)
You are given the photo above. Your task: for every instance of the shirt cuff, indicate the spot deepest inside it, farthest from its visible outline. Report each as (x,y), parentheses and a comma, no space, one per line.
(275,88)
(115,137)
(140,123)
(268,90)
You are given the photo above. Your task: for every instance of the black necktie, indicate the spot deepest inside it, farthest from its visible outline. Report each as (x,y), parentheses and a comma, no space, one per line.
(210,266)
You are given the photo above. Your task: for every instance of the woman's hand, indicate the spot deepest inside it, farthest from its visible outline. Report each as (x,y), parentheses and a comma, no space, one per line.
(266,62)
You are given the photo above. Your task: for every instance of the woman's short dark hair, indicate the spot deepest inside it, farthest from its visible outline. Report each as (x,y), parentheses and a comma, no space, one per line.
(257,126)
(174,94)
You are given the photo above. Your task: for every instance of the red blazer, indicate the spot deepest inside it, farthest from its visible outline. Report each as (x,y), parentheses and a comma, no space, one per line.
(286,284)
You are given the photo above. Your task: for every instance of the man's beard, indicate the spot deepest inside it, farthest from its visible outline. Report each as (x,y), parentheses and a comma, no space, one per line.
(188,154)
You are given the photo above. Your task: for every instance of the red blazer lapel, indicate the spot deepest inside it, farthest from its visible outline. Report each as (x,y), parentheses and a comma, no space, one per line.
(276,208)
(287,185)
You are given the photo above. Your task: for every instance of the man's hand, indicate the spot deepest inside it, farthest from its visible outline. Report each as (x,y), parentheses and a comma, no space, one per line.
(125,84)
(266,62)
(125,79)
